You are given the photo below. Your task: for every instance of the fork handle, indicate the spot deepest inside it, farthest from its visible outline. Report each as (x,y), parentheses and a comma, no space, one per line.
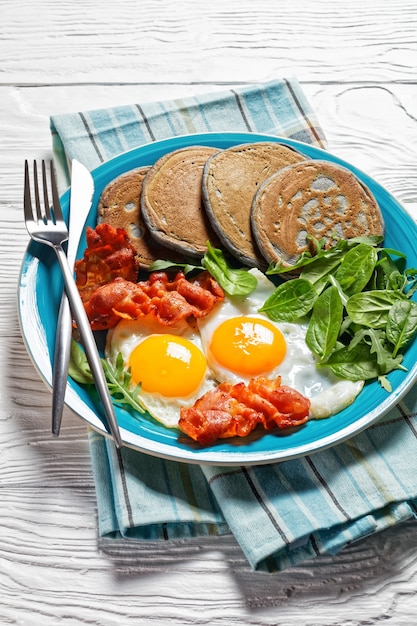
(61,362)
(89,343)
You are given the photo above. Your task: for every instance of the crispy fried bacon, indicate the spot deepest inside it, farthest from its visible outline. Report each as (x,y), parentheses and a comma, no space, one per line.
(106,278)
(167,300)
(236,410)
(109,254)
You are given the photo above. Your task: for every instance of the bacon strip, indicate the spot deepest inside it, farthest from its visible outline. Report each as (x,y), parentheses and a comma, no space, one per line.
(109,254)
(106,278)
(168,301)
(236,410)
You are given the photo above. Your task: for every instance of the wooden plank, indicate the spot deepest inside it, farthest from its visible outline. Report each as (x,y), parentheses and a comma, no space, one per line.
(53,569)
(356,61)
(218,42)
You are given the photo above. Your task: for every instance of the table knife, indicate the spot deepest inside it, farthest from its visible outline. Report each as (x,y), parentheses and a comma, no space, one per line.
(82,189)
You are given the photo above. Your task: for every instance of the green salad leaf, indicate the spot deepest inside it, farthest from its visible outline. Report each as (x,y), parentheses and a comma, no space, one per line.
(357,299)
(401,323)
(79,368)
(235,282)
(119,380)
(325,322)
(354,295)
(290,300)
(161,266)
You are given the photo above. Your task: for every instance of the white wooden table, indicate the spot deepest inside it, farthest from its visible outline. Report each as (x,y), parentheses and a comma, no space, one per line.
(357,62)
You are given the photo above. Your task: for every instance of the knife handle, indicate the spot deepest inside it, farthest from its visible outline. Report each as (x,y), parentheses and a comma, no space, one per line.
(61,362)
(89,343)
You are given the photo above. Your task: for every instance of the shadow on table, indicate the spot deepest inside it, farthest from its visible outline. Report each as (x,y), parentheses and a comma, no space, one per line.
(358,570)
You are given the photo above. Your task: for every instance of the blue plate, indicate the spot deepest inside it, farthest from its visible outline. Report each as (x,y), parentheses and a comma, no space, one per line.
(40,291)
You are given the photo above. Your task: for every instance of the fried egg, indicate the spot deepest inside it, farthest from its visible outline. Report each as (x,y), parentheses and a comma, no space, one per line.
(240,343)
(176,365)
(168,363)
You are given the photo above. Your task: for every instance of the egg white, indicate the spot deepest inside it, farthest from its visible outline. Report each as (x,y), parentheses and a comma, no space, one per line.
(128,334)
(328,393)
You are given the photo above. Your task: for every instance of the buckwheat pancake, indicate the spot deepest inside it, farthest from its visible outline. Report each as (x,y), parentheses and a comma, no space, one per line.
(230,181)
(172,205)
(319,198)
(119,206)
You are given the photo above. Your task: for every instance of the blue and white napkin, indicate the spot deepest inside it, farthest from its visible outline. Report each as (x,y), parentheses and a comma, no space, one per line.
(283,513)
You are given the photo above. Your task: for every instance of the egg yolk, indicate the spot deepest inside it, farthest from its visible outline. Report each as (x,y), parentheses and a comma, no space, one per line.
(167,364)
(248,345)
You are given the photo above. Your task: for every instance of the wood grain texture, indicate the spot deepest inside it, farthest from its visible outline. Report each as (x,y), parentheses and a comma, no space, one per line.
(196,41)
(357,63)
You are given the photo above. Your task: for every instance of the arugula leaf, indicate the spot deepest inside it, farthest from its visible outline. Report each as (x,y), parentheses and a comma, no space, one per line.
(376,339)
(386,272)
(119,380)
(385,383)
(235,282)
(392,251)
(411,284)
(332,281)
(362,314)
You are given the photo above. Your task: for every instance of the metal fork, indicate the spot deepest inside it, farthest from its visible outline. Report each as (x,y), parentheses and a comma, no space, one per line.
(46,225)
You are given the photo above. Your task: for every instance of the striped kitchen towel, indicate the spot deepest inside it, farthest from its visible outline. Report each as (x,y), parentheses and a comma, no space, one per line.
(283,513)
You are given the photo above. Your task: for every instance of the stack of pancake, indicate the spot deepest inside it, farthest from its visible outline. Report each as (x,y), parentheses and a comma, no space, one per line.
(256,201)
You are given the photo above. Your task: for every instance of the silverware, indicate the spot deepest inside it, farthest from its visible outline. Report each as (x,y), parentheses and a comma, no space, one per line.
(82,189)
(48,227)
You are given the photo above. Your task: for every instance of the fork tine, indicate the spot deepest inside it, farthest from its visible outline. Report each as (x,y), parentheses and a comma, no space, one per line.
(55,196)
(45,192)
(54,233)
(27,200)
(36,190)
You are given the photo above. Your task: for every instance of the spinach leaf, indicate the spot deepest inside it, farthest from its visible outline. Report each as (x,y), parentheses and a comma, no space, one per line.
(290,300)
(383,270)
(79,368)
(370,308)
(356,269)
(325,323)
(401,323)
(318,272)
(332,281)
(357,363)
(235,282)
(307,258)
(411,281)
(369,240)
(358,334)
(322,249)
(160,266)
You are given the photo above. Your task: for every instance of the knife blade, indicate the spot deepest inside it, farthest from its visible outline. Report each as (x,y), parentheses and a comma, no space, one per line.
(82,189)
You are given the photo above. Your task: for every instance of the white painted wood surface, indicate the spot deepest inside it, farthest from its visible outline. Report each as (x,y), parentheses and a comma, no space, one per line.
(357,62)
